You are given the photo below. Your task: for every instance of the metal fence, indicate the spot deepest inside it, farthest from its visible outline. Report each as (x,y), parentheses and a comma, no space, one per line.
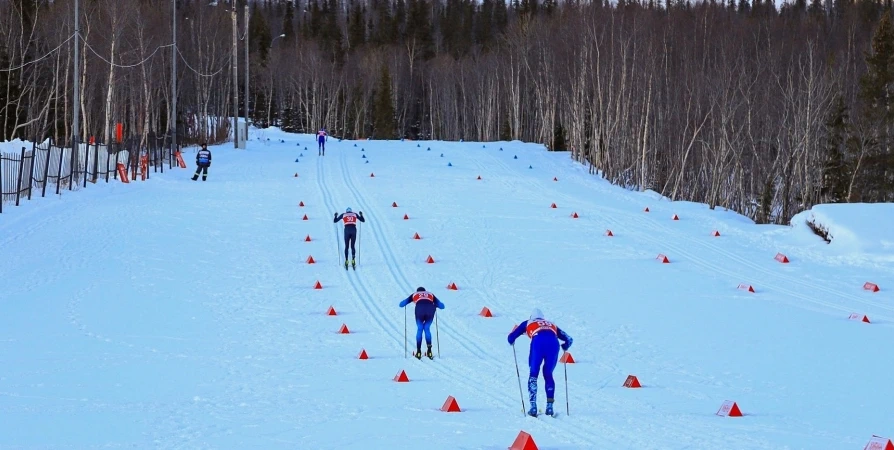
(47,167)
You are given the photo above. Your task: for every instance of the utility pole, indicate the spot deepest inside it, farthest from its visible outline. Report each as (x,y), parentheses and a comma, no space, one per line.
(75,131)
(174,56)
(246,72)
(235,84)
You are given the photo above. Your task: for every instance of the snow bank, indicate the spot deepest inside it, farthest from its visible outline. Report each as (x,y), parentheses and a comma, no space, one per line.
(14,146)
(853,227)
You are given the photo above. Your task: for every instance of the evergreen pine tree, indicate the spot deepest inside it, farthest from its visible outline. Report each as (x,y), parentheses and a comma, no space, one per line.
(383,118)
(258,34)
(836,171)
(288,28)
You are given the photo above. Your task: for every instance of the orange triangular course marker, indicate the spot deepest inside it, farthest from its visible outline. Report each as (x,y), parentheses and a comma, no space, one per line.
(401,377)
(301,204)
(485,312)
(344,329)
(675,217)
(662,258)
(307,239)
(746,287)
(450,405)
(567,358)
(861,318)
(715,233)
(394,204)
(523,441)
(310,260)
(632,382)
(406,217)
(362,354)
(416,236)
(452,287)
(318,285)
(574,215)
(609,233)
(331,312)
(646,210)
(553,205)
(430,260)
(305,217)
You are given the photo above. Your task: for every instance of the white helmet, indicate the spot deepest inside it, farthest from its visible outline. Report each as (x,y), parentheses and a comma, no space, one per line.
(536,314)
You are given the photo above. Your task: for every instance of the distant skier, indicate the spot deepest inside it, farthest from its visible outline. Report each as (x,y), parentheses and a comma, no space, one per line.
(321,141)
(203,162)
(426,302)
(350,219)
(544,350)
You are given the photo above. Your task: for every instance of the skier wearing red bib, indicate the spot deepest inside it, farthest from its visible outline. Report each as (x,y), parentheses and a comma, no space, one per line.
(545,338)
(350,219)
(426,304)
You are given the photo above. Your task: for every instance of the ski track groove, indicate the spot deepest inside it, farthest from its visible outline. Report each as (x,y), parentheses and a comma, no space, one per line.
(467,344)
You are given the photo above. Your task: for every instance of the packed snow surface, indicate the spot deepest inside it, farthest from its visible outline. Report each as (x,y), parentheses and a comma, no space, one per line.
(172,313)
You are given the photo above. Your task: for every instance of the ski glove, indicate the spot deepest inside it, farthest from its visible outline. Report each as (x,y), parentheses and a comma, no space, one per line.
(565,346)
(511,341)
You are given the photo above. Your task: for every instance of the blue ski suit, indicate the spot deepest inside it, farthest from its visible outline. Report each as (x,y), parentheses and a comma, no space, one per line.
(545,338)
(321,141)
(426,302)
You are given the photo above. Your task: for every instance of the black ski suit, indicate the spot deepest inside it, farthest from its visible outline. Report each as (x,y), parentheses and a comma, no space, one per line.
(350,219)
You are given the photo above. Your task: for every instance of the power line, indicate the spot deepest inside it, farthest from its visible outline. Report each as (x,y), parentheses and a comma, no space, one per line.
(41,58)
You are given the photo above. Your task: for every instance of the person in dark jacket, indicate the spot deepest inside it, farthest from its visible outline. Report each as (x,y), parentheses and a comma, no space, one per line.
(350,219)
(203,162)
(426,302)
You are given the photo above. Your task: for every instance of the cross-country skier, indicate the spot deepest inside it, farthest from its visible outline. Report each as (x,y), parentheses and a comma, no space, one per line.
(426,302)
(203,162)
(545,338)
(321,141)
(350,219)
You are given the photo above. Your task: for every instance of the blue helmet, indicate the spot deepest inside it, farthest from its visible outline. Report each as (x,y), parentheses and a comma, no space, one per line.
(348,210)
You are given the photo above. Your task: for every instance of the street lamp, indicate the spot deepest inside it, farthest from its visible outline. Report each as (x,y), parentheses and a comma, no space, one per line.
(274,39)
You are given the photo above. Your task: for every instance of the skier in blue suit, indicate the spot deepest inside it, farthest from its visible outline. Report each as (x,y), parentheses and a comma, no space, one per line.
(426,302)
(322,137)
(545,338)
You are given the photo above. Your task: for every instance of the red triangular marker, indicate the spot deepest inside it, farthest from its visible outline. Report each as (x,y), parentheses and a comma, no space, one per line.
(879,443)
(675,217)
(746,287)
(450,405)
(307,239)
(632,382)
(485,312)
(310,260)
(646,210)
(781,258)
(870,287)
(305,217)
(406,217)
(430,260)
(662,258)
(452,287)
(566,358)
(715,233)
(330,311)
(609,233)
(553,205)
(362,354)
(729,409)
(394,204)
(574,215)
(861,318)
(401,377)
(416,236)
(318,285)
(523,441)
(344,329)
(301,204)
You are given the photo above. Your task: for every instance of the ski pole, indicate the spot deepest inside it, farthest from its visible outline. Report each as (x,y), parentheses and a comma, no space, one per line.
(521,395)
(405,332)
(437,335)
(567,409)
(338,244)
(359,229)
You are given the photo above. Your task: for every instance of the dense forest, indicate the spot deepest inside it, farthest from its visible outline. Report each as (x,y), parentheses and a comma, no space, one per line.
(747,105)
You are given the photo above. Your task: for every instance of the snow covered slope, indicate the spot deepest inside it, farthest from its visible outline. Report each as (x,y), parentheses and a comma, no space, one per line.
(180,314)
